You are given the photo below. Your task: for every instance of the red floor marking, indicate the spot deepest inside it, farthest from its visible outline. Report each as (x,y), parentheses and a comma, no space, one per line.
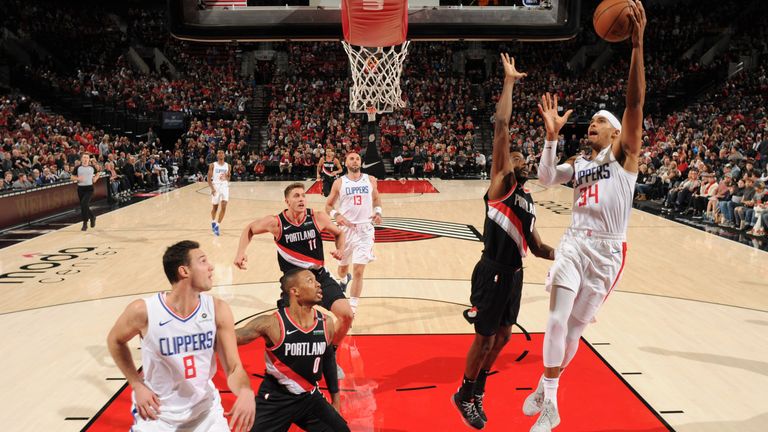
(379,368)
(390,186)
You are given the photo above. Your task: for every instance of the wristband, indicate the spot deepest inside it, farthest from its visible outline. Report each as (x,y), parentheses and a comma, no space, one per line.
(377,210)
(333,213)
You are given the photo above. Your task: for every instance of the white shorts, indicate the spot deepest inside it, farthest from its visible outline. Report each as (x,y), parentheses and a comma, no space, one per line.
(222,194)
(358,244)
(589,264)
(211,421)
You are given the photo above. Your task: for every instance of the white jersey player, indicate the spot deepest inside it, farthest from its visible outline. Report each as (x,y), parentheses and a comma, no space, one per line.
(359,209)
(590,258)
(219,173)
(181,332)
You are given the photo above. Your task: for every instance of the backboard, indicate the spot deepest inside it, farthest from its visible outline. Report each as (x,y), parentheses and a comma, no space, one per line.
(316,20)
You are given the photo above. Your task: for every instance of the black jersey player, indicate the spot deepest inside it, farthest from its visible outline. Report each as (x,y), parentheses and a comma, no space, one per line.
(497,279)
(297,338)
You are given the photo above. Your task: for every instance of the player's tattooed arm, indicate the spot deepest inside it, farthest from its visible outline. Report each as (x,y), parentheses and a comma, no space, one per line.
(263,326)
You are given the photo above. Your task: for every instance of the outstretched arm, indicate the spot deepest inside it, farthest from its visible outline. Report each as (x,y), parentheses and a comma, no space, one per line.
(501,164)
(259,226)
(256,328)
(549,174)
(632,121)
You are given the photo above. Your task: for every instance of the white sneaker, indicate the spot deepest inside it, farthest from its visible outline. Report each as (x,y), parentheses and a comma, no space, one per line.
(533,403)
(548,419)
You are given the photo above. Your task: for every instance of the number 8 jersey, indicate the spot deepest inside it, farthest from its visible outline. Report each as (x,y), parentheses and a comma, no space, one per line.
(602,194)
(177,355)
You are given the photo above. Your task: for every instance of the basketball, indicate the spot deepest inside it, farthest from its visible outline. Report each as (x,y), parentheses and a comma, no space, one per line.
(611,20)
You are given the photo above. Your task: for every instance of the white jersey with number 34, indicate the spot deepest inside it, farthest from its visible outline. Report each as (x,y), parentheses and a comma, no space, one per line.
(602,194)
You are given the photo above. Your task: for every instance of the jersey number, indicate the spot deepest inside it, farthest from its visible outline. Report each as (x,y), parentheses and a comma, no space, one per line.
(316,367)
(357,200)
(189,367)
(313,244)
(587,193)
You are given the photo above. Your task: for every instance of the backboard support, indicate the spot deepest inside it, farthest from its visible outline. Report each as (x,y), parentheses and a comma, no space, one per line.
(320,20)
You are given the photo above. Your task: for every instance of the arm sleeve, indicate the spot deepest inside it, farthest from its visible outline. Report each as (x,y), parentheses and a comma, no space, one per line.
(549,174)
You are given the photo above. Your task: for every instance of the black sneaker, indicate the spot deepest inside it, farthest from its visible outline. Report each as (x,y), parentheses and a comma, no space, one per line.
(479,407)
(85,227)
(93,221)
(470,315)
(468,412)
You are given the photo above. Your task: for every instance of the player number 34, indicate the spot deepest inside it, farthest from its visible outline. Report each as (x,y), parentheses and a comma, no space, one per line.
(588,193)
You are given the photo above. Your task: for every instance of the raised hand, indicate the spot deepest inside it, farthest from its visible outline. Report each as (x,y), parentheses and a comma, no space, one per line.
(509,67)
(639,21)
(552,120)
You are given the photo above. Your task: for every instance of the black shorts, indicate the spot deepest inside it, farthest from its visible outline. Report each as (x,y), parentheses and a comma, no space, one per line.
(277,409)
(327,184)
(331,289)
(496,292)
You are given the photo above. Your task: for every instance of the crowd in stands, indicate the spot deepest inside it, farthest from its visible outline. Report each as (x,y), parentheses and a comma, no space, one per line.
(706,160)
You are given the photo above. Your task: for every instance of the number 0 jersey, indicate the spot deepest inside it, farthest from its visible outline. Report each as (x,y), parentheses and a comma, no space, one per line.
(177,355)
(295,361)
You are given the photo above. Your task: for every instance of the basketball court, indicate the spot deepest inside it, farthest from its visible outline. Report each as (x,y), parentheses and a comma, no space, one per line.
(679,346)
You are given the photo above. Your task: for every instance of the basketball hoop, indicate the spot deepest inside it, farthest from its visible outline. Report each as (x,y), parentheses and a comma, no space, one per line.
(374,39)
(376,78)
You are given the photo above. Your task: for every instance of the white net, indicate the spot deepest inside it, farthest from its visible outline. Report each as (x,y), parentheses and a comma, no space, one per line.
(376,78)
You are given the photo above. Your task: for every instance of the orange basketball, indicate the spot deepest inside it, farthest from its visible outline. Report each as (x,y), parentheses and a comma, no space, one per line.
(611,20)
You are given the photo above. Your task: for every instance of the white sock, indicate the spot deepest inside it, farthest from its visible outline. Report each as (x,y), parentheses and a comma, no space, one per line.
(213,221)
(550,389)
(353,303)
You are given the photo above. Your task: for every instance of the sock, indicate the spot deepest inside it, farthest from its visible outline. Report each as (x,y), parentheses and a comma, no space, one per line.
(550,389)
(213,222)
(467,389)
(480,382)
(353,301)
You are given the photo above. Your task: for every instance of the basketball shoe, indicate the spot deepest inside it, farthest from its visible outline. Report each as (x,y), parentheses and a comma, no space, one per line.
(533,403)
(479,407)
(548,419)
(216,230)
(468,412)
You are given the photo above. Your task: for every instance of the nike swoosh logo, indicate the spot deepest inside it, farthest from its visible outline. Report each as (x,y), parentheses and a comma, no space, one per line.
(290,332)
(370,165)
(616,251)
(164,323)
